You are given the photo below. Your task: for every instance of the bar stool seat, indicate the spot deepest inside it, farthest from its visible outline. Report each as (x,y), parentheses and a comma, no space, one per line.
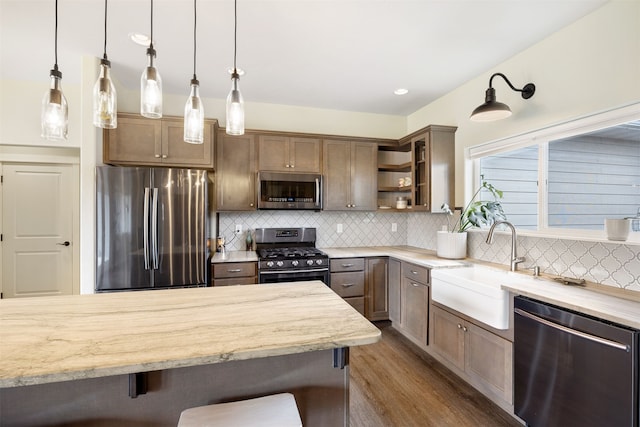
(276,410)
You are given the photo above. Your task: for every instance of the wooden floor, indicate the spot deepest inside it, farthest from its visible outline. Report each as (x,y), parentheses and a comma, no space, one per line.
(395,384)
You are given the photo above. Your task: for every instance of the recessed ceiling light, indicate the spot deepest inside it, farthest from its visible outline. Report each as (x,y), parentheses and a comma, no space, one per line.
(139,38)
(401,91)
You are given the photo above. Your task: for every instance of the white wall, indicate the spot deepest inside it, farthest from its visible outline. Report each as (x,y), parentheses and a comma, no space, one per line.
(590,66)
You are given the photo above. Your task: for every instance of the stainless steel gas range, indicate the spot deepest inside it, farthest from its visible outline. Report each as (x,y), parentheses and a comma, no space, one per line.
(290,255)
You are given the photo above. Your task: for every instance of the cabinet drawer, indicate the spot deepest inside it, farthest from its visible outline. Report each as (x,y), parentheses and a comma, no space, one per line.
(230,281)
(357,303)
(234,269)
(414,272)
(347,264)
(348,284)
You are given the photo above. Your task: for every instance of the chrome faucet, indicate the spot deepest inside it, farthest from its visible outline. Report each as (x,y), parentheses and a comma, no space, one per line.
(515,260)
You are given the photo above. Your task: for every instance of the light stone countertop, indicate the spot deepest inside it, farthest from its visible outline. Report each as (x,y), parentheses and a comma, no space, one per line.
(423,257)
(51,339)
(579,298)
(235,256)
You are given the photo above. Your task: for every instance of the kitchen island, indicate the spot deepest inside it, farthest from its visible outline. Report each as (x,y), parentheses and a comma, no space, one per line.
(140,358)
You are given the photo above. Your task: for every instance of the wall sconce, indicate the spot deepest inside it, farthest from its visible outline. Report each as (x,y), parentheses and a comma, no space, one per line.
(491,109)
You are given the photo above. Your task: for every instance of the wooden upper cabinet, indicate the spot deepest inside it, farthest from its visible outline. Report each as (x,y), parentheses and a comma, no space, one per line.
(235,172)
(135,140)
(152,142)
(180,153)
(350,175)
(288,154)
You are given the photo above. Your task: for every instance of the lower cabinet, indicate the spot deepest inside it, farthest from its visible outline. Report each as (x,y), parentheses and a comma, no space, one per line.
(484,357)
(347,280)
(394,279)
(377,289)
(414,302)
(234,273)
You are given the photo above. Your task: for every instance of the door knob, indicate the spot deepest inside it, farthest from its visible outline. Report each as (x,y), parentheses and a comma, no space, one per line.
(63,243)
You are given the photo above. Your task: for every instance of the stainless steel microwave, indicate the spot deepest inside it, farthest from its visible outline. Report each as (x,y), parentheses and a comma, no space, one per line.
(289,191)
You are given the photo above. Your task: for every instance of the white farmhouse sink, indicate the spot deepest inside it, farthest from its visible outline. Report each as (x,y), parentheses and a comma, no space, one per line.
(474,291)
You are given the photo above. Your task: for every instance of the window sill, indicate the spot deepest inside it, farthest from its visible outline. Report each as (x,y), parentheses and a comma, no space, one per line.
(579,235)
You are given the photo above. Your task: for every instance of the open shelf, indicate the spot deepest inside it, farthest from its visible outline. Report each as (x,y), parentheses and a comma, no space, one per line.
(403,167)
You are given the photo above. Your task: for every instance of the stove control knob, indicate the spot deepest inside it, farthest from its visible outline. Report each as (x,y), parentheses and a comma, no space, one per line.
(319,261)
(309,262)
(269,263)
(280,263)
(294,262)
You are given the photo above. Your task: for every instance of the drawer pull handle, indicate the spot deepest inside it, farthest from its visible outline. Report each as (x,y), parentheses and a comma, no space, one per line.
(347,285)
(234,270)
(347,265)
(414,272)
(415,285)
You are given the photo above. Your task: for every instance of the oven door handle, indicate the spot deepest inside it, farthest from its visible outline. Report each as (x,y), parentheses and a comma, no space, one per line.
(317,270)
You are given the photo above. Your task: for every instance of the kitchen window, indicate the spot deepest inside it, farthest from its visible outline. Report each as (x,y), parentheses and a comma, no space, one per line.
(565,180)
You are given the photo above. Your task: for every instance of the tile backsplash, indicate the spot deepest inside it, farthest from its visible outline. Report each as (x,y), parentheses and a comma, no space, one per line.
(612,264)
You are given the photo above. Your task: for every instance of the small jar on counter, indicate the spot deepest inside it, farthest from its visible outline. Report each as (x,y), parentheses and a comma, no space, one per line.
(401,203)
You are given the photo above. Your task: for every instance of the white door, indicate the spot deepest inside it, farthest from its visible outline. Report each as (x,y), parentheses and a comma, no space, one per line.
(37,228)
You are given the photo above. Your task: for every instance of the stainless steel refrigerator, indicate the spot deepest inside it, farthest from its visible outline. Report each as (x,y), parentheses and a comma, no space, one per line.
(151,228)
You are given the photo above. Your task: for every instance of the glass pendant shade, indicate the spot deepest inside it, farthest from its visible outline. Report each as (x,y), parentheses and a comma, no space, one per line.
(54,117)
(105,101)
(235,108)
(151,89)
(194,116)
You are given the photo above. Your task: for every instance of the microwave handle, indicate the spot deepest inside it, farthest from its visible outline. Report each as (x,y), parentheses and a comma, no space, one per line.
(317,191)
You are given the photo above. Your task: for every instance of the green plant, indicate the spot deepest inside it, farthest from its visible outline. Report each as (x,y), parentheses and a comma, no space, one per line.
(478,213)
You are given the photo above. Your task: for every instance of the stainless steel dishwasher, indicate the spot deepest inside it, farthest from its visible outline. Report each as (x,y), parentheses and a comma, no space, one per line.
(571,369)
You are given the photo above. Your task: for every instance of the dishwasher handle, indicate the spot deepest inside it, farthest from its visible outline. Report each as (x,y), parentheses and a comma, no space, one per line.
(584,335)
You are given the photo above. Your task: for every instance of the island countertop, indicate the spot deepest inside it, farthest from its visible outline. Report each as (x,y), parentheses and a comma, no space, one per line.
(50,339)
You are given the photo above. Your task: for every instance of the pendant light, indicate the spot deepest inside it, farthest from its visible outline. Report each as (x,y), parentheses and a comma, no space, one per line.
(151,83)
(105,100)
(193,109)
(54,117)
(235,102)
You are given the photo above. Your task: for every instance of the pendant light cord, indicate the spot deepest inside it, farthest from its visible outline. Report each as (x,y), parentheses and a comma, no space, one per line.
(55,66)
(235,33)
(151,40)
(195,23)
(105,30)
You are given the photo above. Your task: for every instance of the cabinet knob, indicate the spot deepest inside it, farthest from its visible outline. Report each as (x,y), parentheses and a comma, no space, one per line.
(292,166)
(164,156)
(464,328)
(459,326)
(287,166)
(251,204)
(157,156)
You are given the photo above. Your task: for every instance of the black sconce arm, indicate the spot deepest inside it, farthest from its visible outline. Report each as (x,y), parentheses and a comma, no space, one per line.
(527,91)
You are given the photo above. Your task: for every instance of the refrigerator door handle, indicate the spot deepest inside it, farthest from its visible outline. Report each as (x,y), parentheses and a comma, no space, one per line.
(154,230)
(146,228)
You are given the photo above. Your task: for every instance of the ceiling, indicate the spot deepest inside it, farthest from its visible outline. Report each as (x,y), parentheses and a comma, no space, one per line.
(336,54)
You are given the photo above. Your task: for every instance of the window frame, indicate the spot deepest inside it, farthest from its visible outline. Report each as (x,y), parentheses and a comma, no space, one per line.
(542,138)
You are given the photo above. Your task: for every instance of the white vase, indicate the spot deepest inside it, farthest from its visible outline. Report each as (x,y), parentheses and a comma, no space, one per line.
(451,245)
